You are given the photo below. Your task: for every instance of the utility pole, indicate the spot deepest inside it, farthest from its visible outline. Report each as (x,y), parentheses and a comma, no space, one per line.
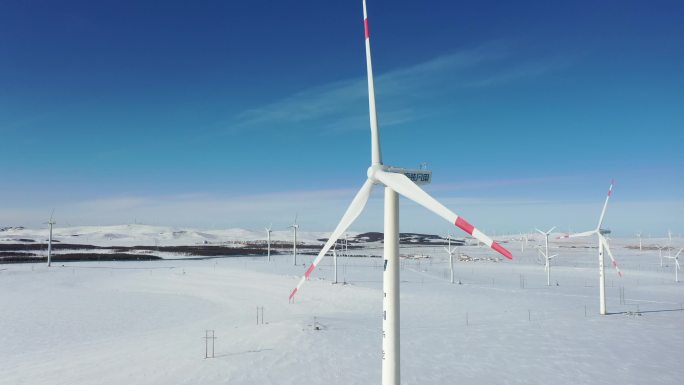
(209,335)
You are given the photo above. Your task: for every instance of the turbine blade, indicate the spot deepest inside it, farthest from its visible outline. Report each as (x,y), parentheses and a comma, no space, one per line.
(603,240)
(579,235)
(404,186)
(605,204)
(553,256)
(679,252)
(551,229)
(348,218)
(376,156)
(540,232)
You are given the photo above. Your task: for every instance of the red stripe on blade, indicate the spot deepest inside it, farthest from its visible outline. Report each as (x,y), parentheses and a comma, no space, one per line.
(309,270)
(464,225)
(294,291)
(365,25)
(501,250)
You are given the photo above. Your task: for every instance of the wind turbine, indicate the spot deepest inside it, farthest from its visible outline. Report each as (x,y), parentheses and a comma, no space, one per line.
(396,181)
(268,240)
(547,258)
(51,222)
(450,251)
(676,268)
(603,245)
(294,227)
(639,235)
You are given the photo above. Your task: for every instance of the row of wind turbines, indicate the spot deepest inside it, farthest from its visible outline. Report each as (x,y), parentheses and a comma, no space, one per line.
(295,228)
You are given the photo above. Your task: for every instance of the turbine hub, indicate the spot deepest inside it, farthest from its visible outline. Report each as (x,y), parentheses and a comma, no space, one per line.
(372,170)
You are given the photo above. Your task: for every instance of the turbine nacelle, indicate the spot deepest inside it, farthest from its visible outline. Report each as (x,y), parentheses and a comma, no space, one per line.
(417,176)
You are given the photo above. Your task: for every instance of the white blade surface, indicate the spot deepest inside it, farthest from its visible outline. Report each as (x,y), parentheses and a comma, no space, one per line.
(404,186)
(348,218)
(546,232)
(375,135)
(603,240)
(578,235)
(605,205)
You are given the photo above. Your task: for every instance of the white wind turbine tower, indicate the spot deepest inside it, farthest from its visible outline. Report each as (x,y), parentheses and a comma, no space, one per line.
(676,267)
(547,257)
(51,222)
(294,227)
(450,251)
(396,181)
(268,240)
(603,245)
(639,235)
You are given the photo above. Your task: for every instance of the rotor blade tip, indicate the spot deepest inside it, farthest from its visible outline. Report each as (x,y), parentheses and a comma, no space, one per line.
(294,291)
(502,250)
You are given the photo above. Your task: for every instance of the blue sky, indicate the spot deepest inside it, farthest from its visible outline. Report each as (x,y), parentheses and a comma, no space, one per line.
(214,114)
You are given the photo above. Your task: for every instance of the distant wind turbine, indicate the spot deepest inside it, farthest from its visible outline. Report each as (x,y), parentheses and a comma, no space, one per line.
(676,267)
(335,261)
(268,240)
(524,238)
(450,251)
(660,254)
(51,222)
(396,181)
(603,245)
(547,257)
(294,227)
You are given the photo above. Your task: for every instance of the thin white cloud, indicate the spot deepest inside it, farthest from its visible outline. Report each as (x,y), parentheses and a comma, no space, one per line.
(343,104)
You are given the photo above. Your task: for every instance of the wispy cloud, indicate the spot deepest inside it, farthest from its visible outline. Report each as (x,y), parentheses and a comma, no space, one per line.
(342,105)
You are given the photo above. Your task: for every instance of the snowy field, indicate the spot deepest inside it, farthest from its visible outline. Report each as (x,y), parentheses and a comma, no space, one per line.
(144,322)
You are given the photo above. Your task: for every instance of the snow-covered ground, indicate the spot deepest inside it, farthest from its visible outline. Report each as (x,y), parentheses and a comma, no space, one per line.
(145,235)
(144,322)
